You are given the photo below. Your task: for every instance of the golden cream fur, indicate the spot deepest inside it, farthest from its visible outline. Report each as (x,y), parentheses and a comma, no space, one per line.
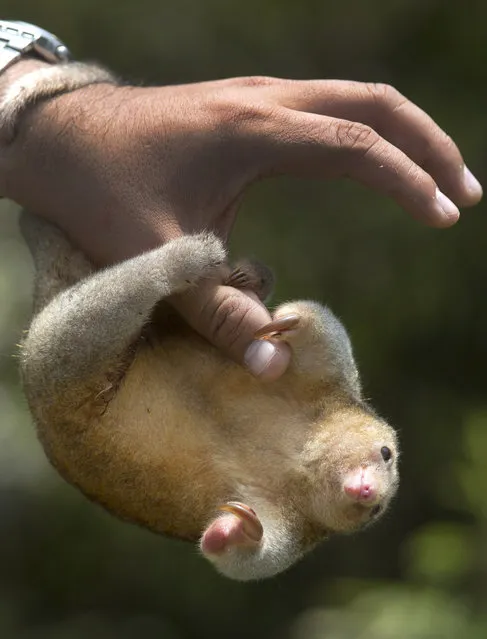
(152,422)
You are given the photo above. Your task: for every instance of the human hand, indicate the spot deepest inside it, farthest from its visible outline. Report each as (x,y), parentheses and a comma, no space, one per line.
(124,169)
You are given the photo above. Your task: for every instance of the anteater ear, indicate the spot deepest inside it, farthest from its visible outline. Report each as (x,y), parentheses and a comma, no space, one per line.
(239,526)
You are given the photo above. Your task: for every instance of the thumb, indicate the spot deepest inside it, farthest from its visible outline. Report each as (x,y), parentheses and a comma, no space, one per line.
(229,319)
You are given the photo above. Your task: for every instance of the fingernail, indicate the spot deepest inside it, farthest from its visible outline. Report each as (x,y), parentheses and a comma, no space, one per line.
(447,207)
(472,185)
(259,355)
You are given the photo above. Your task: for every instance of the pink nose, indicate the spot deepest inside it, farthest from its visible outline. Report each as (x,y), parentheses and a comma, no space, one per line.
(360,491)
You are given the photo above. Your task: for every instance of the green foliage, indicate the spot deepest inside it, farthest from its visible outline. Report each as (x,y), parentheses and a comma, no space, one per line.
(413,299)
(391,612)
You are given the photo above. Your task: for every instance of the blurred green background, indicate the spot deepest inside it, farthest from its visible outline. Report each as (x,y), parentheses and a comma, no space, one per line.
(413,299)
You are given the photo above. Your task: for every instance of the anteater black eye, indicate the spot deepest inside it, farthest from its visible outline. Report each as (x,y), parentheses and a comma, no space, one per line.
(386,453)
(375,511)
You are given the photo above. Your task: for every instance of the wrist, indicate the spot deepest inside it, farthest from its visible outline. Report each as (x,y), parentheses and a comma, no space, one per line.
(26,89)
(32,163)
(7,78)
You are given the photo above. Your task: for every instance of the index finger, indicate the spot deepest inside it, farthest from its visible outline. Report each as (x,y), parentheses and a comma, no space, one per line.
(395,118)
(319,146)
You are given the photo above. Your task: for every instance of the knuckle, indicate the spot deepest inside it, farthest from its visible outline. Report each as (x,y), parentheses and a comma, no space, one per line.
(448,144)
(235,114)
(226,319)
(355,136)
(249,111)
(259,81)
(384,95)
(234,108)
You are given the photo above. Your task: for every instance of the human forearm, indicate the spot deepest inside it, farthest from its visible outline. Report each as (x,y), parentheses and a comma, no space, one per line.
(7,78)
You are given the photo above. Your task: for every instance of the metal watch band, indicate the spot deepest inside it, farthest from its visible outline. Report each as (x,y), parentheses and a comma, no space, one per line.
(20,38)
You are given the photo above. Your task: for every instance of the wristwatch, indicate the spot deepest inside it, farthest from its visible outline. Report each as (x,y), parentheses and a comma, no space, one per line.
(18,39)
